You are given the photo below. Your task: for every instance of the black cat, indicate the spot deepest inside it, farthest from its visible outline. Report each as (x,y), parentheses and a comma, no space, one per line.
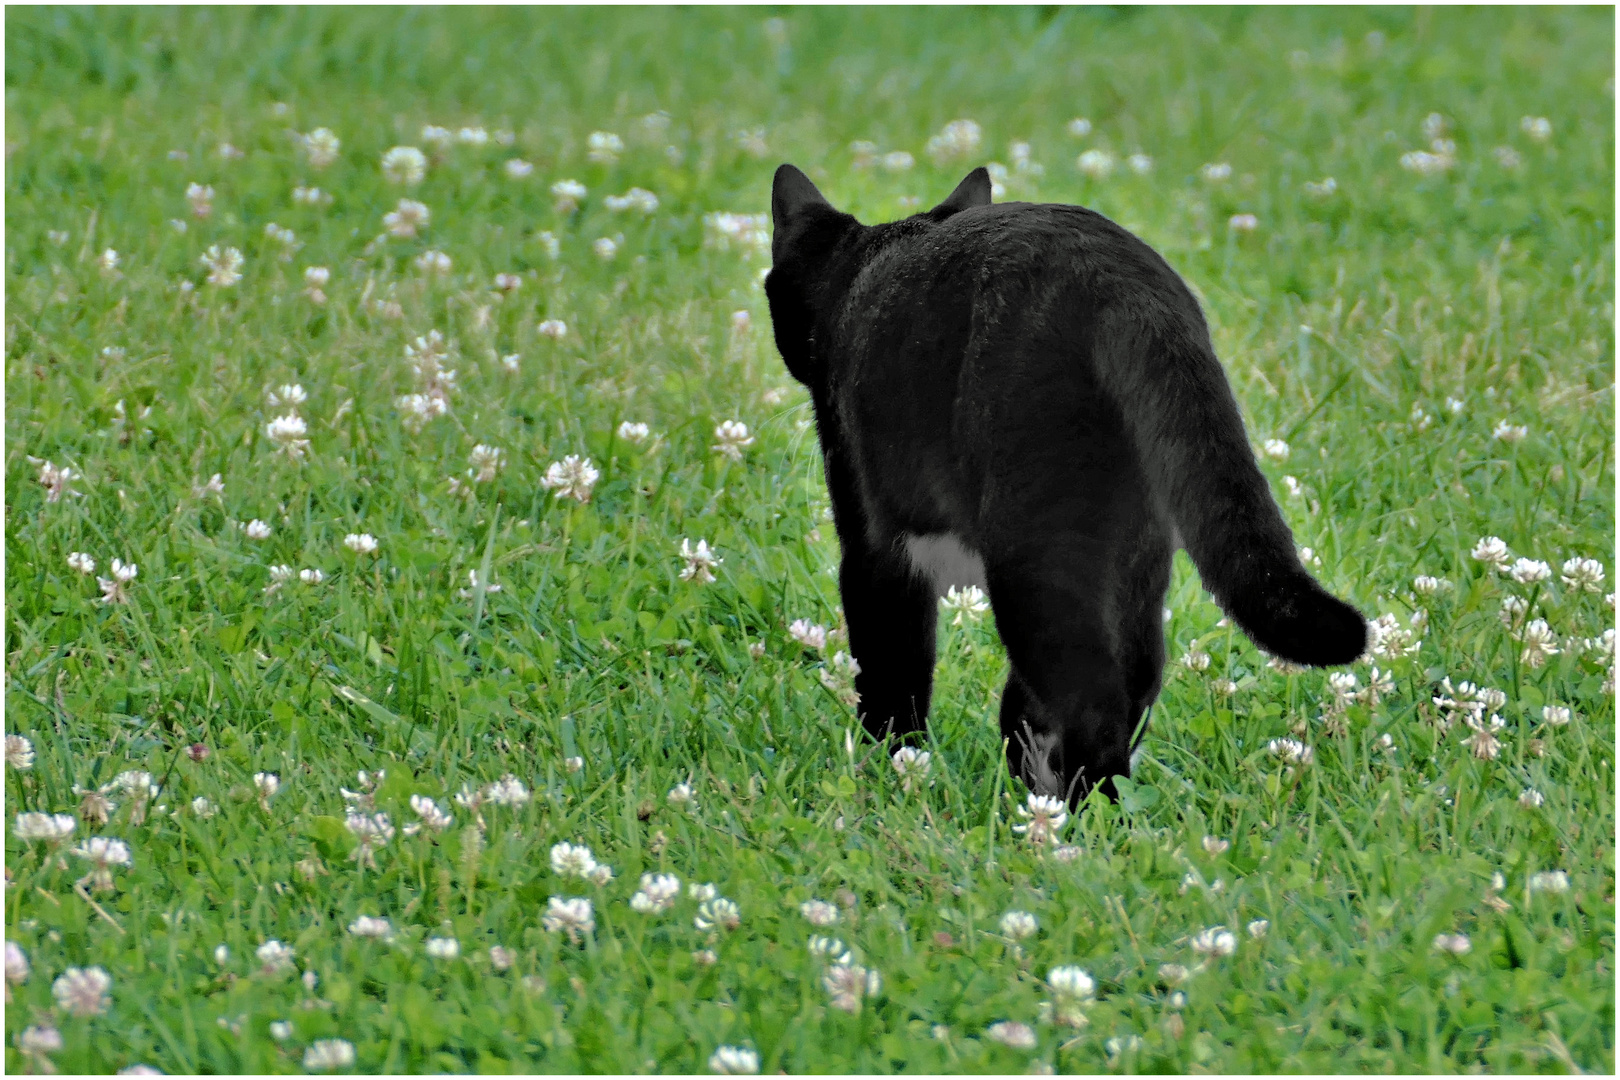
(1025,397)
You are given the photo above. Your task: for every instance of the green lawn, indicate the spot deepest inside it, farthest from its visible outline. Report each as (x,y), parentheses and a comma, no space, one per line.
(1430,333)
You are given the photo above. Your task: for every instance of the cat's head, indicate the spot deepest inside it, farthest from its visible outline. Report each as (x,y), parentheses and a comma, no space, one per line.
(816,251)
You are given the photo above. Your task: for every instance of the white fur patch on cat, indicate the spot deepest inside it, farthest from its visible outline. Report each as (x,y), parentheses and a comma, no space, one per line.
(944,560)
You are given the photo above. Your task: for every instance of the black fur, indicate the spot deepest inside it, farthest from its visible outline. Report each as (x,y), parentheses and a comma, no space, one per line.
(1038,383)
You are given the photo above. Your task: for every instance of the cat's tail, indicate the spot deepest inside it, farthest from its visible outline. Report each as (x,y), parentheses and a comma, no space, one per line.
(1186,424)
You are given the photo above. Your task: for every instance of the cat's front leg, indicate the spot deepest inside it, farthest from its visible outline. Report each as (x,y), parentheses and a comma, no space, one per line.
(891,615)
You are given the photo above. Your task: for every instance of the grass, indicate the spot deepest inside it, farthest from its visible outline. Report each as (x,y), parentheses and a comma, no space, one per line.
(1346,320)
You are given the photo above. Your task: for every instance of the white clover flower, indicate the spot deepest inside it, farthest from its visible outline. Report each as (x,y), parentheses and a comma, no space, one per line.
(432,262)
(605,247)
(1483,743)
(969,603)
(734,1061)
(1583,574)
(681,795)
(285,237)
(55,480)
(442,948)
(108,261)
(1424,585)
(571,478)
(372,831)
(311,576)
(1553,881)
(1072,984)
(472,136)
(732,438)
(367,927)
(603,147)
(404,165)
(1539,644)
(1530,798)
(572,860)
(406,218)
(1258,928)
(1426,164)
(1216,846)
(83,991)
(1290,751)
(19,752)
(912,765)
(1120,1045)
(1196,660)
(361,543)
(325,1055)
(1173,974)
(266,784)
(1455,944)
(79,561)
(1079,127)
(52,828)
(811,635)
(567,195)
(657,893)
(1530,571)
(705,891)
(849,984)
(17,968)
(1140,164)
(1216,172)
(1097,164)
(1017,925)
(574,764)
(432,814)
(321,147)
(1323,188)
(638,199)
(634,433)
(486,461)
(747,233)
(103,853)
(819,912)
(1044,817)
(1538,128)
(1012,1033)
(276,957)
(829,948)
(958,139)
(518,169)
(311,196)
(1216,941)
(507,791)
(1276,449)
(224,265)
(555,329)
(718,914)
(1555,715)
(201,198)
(1507,157)
(35,1042)
(700,562)
(897,161)
(1509,433)
(1245,223)
(289,433)
(1493,552)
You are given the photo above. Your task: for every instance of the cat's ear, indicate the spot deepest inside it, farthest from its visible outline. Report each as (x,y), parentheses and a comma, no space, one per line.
(974,190)
(791,193)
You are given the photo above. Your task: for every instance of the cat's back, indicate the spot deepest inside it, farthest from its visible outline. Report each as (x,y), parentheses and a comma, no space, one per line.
(1016,245)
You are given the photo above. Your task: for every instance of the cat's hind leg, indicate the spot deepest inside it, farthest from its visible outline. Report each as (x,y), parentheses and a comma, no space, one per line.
(1078,614)
(892,615)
